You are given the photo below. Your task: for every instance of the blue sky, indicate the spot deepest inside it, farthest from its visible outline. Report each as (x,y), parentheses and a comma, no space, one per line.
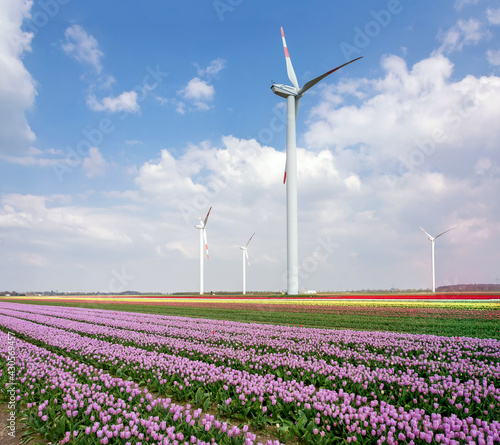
(120,125)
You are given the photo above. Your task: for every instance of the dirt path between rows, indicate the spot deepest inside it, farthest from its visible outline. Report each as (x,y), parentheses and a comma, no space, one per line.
(14,438)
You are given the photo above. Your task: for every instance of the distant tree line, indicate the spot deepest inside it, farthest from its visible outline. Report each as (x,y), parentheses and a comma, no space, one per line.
(469,288)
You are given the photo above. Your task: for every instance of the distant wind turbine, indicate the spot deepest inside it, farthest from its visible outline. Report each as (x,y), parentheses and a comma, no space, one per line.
(432,239)
(292,94)
(203,241)
(244,250)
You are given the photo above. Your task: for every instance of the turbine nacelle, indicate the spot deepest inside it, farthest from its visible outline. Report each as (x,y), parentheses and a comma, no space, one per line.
(432,238)
(203,224)
(245,248)
(295,90)
(284,90)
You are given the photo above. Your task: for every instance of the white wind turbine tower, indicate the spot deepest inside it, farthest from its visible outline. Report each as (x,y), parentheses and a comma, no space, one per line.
(432,239)
(203,240)
(292,94)
(244,250)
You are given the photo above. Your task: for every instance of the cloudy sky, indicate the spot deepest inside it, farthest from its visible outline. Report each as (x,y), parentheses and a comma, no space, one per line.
(119,127)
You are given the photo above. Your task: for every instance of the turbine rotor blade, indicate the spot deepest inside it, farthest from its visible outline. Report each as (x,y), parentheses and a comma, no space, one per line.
(206,218)
(443,233)
(248,259)
(249,240)
(284,177)
(313,82)
(430,237)
(205,239)
(289,66)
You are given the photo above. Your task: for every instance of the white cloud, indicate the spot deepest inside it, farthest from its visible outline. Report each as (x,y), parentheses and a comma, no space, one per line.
(176,247)
(17,87)
(134,142)
(198,92)
(127,101)
(82,47)
(94,165)
(353,182)
(214,67)
(61,222)
(40,158)
(33,259)
(494,57)
(238,175)
(494,16)
(167,176)
(31,160)
(465,32)
(405,113)
(85,49)
(459,4)
(36,157)
(482,166)
(163,100)
(180,106)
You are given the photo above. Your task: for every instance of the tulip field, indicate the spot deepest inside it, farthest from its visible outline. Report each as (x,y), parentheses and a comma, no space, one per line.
(103,376)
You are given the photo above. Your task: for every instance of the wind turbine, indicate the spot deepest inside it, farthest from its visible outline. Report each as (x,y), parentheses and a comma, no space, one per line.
(292,94)
(432,239)
(203,240)
(244,250)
